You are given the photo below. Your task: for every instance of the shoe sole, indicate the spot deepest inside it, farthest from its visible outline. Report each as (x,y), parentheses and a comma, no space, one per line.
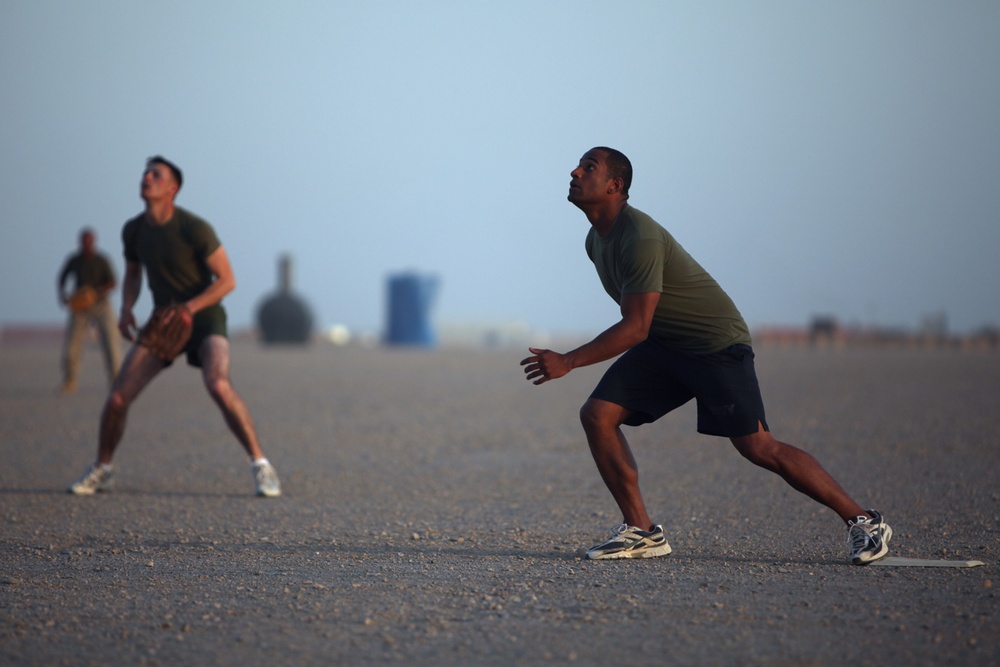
(650,552)
(86,492)
(886,536)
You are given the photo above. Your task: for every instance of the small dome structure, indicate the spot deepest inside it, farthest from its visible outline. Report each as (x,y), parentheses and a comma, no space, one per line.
(283,317)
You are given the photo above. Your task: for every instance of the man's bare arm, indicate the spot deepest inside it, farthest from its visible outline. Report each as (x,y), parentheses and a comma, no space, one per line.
(224,283)
(637,316)
(131,287)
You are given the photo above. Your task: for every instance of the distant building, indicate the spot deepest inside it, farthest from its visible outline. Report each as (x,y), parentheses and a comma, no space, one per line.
(284,317)
(410,297)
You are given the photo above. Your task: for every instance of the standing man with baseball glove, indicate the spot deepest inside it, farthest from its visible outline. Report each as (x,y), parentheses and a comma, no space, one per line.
(189,274)
(88,303)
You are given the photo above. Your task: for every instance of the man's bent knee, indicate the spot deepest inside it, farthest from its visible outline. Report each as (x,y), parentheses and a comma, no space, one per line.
(759,448)
(597,415)
(218,388)
(116,402)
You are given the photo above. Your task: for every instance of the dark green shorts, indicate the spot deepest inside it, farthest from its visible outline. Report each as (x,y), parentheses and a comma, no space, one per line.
(207,322)
(652,379)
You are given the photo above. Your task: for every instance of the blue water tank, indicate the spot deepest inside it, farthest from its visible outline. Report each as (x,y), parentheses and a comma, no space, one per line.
(410,297)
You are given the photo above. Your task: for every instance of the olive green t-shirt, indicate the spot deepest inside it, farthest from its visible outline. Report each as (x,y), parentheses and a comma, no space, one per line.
(639,256)
(172,254)
(94,271)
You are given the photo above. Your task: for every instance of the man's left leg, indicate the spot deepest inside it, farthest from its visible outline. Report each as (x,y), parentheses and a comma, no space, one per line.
(868,535)
(802,472)
(214,354)
(729,402)
(107,325)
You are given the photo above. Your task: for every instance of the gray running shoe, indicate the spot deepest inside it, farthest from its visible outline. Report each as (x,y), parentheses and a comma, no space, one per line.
(630,542)
(97,478)
(266,480)
(868,539)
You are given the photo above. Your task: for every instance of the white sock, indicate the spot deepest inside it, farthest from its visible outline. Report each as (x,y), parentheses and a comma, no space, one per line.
(261,462)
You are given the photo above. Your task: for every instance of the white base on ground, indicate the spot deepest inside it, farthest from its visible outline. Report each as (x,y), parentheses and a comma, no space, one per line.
(896,561)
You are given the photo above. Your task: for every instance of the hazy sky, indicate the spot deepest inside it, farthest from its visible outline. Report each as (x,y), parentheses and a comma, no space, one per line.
(816,157)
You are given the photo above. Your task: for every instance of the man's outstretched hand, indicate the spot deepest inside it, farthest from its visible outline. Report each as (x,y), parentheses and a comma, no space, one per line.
(544,365)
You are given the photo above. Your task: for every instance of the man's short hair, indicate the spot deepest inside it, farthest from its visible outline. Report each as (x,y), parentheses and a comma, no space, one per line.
(618,166)
(174,169)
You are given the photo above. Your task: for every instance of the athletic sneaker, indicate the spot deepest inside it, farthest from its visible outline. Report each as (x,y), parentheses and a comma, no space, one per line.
(97,478)
(266,480)
(868,539)
(629,542)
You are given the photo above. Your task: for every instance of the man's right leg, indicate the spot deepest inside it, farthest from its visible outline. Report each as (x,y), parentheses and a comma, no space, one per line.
(76,330)
(138,369)
(602,423)
(636,537)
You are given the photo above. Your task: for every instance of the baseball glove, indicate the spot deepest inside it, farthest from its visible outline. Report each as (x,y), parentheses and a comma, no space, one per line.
(82,299)
(167,331)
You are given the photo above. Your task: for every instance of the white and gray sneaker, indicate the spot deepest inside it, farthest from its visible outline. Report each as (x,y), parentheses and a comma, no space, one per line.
(630,542)
(868,538)
(266,479)
(97,478)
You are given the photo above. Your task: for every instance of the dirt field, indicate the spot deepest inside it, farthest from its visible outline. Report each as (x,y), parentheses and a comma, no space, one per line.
(436,507)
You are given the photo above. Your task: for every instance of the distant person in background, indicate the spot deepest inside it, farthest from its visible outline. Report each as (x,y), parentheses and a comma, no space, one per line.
(93,280)
(185,265)
(680,337)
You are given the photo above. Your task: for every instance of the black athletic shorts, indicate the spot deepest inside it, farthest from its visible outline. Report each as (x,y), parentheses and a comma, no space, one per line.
(652,379)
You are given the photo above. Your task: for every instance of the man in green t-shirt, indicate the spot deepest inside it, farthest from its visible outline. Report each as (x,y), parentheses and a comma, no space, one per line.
(93,280)
(680,337)
(185,264)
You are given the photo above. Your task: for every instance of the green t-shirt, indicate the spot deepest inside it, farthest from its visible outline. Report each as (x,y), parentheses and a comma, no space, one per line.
(173,254)
(94,271)
(639,256)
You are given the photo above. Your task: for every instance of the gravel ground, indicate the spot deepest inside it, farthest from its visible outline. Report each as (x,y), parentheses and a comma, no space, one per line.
(436,508)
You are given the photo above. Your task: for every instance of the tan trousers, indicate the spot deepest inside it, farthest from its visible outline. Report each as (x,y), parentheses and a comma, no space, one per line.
(77,326)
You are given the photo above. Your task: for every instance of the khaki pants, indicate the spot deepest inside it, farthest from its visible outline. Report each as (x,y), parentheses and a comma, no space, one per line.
(101,315)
